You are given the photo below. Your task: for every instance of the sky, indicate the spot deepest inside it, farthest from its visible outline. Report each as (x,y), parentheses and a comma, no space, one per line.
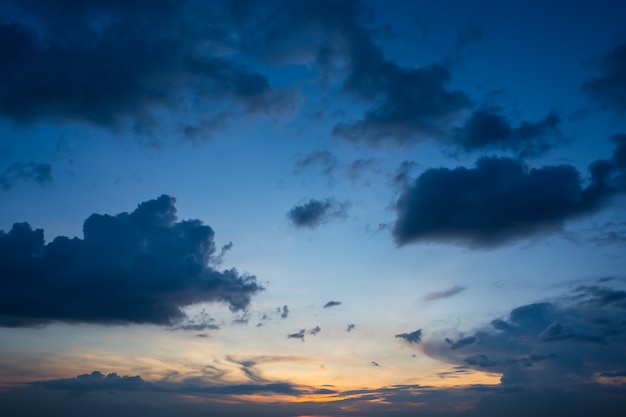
(312,208)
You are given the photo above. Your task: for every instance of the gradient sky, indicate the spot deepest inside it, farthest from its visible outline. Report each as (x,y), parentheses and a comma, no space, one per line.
(312,208)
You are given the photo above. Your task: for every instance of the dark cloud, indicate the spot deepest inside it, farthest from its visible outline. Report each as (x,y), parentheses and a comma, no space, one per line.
(403,105)
(411,104)
(332,304)
(94,381)
(314,331)
(374,363)
(461,343)
(31,171)
(297,335)
(139,267)
(502,200)
(284,312)
(350,327)
(413,337)
(543,344)
(488,129)
(117,64)
(447,293)
(322,159)
(315,212)
(609,88)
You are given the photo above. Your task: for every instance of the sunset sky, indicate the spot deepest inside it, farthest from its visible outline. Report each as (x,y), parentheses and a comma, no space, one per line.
(322,208)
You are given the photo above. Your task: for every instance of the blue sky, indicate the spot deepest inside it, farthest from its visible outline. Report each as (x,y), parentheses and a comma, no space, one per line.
(312,208)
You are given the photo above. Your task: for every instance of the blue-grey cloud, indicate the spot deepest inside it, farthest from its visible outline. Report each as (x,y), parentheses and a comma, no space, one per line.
(284,312)
(41,173)
(413,337)
(332,304)
(102,64)
(447,293)
(609,88)
(314,331)
(315,212)
(537,342)
(502,200)
(350,327)
(297,335)
(488,129)
(93,382)
(138,267)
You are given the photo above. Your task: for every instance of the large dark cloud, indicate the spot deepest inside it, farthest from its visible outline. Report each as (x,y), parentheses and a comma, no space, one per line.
(315,212)
(501,199)
(609,88)
(118,63)
(488,129)
(41,173)
(571,340)
(139,267)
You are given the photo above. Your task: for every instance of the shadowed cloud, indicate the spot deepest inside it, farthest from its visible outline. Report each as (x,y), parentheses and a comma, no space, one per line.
(447,293)
(413,337)
(139,267)
(316,212)
(18,172)
(609,88)
(502,200)
(332,304)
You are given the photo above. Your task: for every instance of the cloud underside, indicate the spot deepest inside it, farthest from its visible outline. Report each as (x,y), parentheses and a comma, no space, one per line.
(541,345)
(103,65)
(139,267)
(315,212)
(609,88)
(502,200)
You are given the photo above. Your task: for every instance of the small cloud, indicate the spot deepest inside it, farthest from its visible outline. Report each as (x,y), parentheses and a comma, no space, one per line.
(447,293)
(374,363)
(332,304)
(314,331)
(350,327)
(284,313)
(413,337)
(316,212)
(19,172)
(298,335)
(466,341)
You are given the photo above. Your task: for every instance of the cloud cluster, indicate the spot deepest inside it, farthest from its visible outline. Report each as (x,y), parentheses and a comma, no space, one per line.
(138,267)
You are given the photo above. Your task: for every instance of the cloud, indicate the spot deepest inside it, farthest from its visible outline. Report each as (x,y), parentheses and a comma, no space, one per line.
(461,343)
(502,200)
(403,105)
(447,293)
(412,104)
(138,267)
(413,337)
(374,363)
(609,88)
(315,212)
(102,64)
(323,159)
(332,304)
(297,335)
(39,172)
(350,327)
(93,382)
(487,129)
(314,331)
(540,345)
(284,313)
